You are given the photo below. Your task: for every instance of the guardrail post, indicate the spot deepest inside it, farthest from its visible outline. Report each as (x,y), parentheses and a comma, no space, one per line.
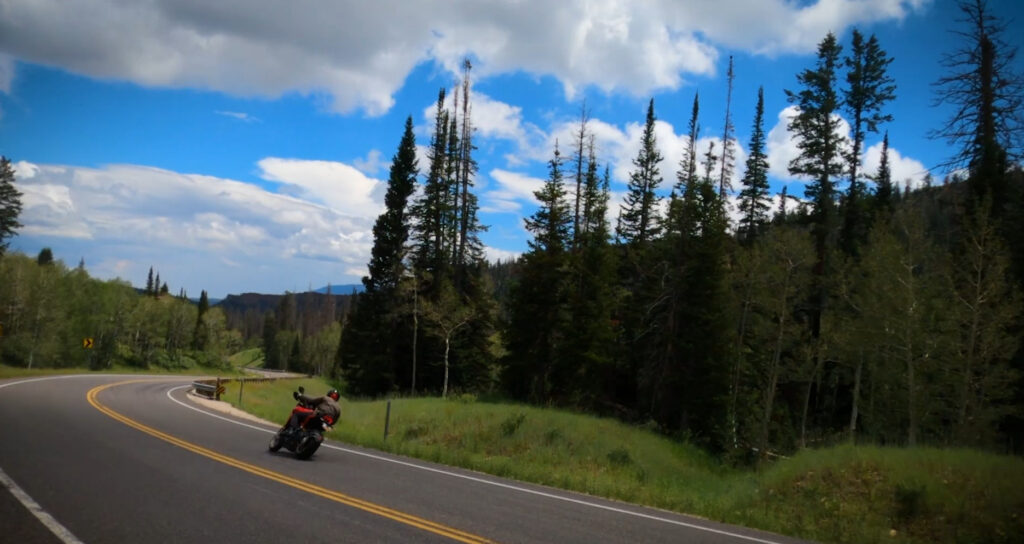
(387,421)
(217,393)
(241,387)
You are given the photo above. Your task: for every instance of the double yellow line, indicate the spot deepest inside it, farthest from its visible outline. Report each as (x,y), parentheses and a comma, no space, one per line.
(308,487)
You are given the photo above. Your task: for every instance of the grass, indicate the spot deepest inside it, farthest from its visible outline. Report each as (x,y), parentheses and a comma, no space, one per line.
(842,494)
(250,357)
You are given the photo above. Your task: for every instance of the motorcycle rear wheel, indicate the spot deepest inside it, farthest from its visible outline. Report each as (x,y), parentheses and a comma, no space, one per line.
(306,448)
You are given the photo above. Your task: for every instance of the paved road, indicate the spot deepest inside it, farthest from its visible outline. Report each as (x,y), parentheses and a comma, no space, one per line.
(115,459)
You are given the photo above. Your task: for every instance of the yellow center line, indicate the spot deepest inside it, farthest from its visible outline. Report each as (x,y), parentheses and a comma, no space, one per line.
(308,487)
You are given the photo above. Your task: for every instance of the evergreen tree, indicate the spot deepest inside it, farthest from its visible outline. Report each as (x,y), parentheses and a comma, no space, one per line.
(679,208)
(271,352)
(884,197)
(638,218)
(201,338)
(987,96)
(820,158)
(10,204)
(45,257)
(434,209)
(539,324)
(391,231)
(591,343)
(149,283)
(579,159)
(869,88)
(815,125)
(754,195)
(728,153)
(371,365)
(156,286)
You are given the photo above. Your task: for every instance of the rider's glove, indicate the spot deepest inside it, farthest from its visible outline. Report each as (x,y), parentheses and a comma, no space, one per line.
(295,395)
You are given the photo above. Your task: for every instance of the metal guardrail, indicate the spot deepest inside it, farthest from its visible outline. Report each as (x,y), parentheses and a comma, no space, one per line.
(213,388)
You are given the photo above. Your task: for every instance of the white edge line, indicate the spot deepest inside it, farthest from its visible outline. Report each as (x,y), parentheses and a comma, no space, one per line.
(484,481)
(49,521)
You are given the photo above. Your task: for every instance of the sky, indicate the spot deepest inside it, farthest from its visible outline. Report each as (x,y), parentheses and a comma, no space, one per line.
(244,145)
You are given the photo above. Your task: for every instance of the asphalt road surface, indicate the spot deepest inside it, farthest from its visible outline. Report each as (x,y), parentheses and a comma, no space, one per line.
(100,459)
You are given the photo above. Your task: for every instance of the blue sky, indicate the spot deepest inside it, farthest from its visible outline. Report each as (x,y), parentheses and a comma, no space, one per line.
(241,146)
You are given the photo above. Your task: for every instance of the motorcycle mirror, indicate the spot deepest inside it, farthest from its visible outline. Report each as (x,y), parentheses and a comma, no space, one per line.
(302,389)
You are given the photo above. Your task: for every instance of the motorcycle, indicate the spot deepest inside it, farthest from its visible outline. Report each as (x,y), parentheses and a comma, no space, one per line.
(303,440)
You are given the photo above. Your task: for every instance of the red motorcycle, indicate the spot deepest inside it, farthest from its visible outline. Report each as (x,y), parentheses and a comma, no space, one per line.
(305,439)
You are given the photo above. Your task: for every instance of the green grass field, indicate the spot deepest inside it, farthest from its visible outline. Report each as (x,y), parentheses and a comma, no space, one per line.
(842,494)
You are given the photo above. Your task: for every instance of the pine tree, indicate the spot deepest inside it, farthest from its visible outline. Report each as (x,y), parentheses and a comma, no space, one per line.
(638,218)
(686,177)
(539,321)
(754,196)
(10,204)
(869,88)
(815,125)
(884,198)
(45,257)
(201,337)
(820,158)
(391,230)
(987,96)
(434,209)
(149,283)
(580,159)
(271,351)
(370,364)
(591,343)
(728,153)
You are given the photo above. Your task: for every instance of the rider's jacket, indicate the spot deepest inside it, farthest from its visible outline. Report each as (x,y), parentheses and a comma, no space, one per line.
(325,406)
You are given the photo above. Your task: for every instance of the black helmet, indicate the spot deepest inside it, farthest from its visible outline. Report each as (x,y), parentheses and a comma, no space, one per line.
(333,393)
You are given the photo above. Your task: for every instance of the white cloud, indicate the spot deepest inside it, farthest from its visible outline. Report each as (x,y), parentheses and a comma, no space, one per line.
(359,53)
(782,148)
(513,188)
(372,164)
(494,254)
(902,169)
(241,116)
(204,232)
(333,184)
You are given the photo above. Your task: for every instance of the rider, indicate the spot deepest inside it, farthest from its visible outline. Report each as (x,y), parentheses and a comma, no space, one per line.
(326,406)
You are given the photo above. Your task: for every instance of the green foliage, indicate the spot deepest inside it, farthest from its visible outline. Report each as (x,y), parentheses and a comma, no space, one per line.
(638,221)
(10,204)
(48,312)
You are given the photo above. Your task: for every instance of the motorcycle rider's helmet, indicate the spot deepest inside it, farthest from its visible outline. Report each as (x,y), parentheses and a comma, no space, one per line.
(333,393)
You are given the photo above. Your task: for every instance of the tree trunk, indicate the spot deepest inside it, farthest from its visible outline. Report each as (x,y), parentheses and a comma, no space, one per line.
(856,398)
(447,345)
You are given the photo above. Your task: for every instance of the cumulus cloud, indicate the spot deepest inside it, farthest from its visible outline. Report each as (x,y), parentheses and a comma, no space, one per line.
(216,234)
(359,53)
(333,184)
(512,189)
(782,148)
(903,170)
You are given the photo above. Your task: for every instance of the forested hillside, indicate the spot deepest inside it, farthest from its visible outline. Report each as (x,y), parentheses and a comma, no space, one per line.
(59,317)
(864,310)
